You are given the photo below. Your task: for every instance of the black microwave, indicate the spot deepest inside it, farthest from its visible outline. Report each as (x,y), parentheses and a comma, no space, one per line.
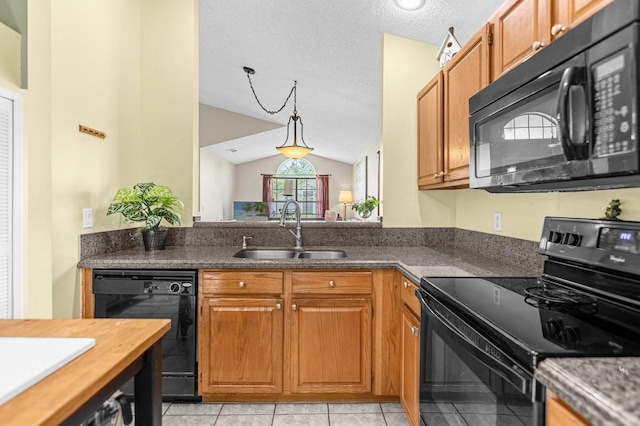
(566,119)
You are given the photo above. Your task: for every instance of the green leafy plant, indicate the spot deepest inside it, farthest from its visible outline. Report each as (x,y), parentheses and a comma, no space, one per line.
(365,207)
(148,203)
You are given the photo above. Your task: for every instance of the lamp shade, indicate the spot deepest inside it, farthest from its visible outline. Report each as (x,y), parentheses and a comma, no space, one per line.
(345,197)
(294,151)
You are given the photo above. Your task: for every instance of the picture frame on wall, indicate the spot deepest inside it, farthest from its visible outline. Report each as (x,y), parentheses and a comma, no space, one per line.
(360,190)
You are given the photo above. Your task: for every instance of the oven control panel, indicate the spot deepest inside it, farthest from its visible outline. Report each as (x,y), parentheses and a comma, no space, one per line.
(610,244)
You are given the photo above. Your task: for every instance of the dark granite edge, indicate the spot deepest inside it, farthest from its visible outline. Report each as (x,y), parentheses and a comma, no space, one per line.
(559,376)
(275,224)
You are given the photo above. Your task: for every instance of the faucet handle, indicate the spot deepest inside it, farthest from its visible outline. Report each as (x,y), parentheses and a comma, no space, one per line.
(244,241)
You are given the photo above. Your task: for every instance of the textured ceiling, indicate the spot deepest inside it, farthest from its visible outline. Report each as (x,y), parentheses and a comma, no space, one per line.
(333,48)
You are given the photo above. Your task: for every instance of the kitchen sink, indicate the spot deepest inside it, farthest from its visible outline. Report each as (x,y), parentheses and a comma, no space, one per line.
(258,253)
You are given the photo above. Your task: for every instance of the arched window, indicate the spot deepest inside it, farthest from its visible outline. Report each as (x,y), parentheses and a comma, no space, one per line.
(529,126)
(297,179)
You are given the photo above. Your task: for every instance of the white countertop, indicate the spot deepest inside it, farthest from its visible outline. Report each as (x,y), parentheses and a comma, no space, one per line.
(25,361)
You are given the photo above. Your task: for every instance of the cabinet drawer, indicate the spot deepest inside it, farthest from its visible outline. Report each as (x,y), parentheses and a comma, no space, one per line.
(408,291)
(331,283)
(241,282)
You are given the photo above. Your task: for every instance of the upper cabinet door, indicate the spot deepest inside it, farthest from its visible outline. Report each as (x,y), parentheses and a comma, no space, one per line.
(520,28)
(464,76)
(430,133)
(569,13)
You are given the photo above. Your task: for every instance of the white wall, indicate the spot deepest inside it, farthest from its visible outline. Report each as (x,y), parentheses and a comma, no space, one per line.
(249,177)
(217,187)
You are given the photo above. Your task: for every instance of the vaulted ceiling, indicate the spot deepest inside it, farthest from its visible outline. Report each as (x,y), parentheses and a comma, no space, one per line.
(333,48)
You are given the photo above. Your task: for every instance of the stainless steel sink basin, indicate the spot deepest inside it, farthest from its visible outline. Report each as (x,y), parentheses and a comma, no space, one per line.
(266,254)
(322,254)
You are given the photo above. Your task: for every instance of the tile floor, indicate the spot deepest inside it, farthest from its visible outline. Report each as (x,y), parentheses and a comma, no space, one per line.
(284,414)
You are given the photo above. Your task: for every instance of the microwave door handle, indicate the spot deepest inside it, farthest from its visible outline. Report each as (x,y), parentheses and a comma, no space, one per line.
(572,76)
(518,380)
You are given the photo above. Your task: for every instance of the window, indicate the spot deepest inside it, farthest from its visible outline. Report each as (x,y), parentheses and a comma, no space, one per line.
(530,126)
(296,179)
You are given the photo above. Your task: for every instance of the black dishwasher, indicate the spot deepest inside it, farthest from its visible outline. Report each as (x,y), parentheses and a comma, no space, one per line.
(157,294)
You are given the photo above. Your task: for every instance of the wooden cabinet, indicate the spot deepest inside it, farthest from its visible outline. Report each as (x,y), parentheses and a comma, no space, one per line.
(430,132)
(443,156)
(410,352)
(331,332)
(522,27)
(558,413)
(279,333)
(569,13)
(241,345)
(241,338)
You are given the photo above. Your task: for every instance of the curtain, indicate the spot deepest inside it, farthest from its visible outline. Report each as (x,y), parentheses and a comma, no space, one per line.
(267,191)
(322,188)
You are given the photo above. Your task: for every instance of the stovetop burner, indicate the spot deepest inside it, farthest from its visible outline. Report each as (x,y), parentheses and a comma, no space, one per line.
(555,298)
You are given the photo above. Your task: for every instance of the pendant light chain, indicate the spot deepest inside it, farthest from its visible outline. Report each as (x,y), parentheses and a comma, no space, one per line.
(293,91)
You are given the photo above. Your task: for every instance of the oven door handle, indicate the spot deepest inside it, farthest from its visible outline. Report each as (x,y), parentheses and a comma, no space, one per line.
(510,374)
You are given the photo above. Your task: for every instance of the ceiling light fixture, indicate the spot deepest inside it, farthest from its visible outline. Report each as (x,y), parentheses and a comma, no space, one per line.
(409,4)
(290,151)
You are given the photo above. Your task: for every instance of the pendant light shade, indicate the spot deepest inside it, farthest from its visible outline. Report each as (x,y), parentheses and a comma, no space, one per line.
(294,150)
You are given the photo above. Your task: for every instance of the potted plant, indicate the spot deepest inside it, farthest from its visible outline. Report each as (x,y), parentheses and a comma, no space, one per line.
(148,203)
(364,208)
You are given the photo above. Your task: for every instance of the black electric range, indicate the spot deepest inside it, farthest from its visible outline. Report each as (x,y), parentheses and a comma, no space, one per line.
(483,337)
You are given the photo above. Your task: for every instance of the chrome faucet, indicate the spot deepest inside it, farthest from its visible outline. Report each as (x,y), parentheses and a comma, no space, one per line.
(298,233)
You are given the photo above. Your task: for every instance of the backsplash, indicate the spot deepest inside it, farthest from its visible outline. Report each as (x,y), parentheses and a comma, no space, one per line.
(268,234)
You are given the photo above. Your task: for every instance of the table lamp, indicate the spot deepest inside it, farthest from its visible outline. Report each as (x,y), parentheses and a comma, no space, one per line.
(345,197)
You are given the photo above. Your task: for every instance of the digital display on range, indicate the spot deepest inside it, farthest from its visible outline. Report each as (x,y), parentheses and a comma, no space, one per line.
(617,239)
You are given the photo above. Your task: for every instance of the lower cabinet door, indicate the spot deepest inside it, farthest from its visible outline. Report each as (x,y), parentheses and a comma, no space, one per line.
(410,366)
(241,347)
(331,345)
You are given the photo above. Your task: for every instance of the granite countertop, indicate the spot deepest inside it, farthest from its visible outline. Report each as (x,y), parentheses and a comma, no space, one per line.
(604,391)
(414,262)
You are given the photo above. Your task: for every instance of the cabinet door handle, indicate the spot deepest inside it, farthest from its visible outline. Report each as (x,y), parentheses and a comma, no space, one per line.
(415,330)
(332,283)
(537,45)
(406,284)
(241,284)
(294,307)
(557,29)
(278,306)
(439,175)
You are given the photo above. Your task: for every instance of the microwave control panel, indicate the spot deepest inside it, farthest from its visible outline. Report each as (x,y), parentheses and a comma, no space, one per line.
(613,113)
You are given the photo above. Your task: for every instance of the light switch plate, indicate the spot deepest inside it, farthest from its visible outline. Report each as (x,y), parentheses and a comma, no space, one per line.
(497,221)
(87,218)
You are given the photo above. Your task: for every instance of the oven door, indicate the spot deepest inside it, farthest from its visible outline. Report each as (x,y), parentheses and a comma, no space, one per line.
(467,380)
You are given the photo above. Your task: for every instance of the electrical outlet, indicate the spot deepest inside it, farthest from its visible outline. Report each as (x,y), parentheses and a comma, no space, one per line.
(87,218)
(497,221)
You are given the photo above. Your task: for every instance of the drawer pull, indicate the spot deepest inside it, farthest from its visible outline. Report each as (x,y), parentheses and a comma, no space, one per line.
(557,29)
(294,307)
(241,284)
(278,306)
(332,283)
(537,45)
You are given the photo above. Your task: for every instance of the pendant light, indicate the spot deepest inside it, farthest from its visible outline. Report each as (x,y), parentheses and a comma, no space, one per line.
(294,150)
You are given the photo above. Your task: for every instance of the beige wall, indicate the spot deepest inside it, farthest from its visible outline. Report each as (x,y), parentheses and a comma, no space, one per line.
(372,179)
(407,67)
(249,177)
(128,68)
(217,187)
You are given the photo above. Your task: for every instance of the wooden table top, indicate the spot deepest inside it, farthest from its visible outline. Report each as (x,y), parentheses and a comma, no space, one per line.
(119,342)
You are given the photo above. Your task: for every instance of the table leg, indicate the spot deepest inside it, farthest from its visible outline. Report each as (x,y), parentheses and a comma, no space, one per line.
(148,388)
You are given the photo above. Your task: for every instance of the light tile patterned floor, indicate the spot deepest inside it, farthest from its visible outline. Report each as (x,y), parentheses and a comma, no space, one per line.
(284,414)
